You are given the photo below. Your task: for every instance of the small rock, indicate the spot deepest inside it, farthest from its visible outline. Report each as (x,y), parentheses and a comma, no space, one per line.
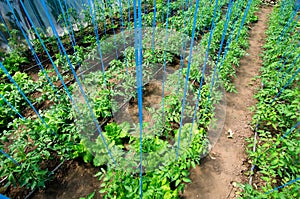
(230,132)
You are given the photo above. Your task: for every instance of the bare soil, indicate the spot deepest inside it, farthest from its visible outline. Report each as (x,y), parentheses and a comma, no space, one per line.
(227,161)
(74,179)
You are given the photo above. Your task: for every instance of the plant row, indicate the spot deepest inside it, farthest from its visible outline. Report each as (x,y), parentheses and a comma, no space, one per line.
(277,117)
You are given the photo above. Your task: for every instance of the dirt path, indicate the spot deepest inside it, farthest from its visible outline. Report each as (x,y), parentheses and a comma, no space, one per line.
(227,160)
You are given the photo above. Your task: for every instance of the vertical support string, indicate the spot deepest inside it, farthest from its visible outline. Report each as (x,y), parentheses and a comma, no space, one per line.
(5,25)
(78,82)
(12,107)
(139,80)
(244,18)
(187,77)
(24,96)
(93,14)
(165,66)
(50,58)
(31,47)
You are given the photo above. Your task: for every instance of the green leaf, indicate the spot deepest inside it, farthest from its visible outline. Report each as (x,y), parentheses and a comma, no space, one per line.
(187,180)
(102,191)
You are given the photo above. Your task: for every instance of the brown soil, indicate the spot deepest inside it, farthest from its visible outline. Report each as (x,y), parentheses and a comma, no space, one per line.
(73,180)
(227,162)
(151,98)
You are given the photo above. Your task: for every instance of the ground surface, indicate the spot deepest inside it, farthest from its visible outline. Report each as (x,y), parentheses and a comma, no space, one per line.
(74,179)
(227,161)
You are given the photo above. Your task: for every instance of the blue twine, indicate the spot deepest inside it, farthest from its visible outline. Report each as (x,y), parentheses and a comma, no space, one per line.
(112,22)
(24,96)
(229,41)
(284,87)
(122,30)
(78,82)
(33,8)
(287,71)
(128,4)
(74,5)
(244,18)
(73,41)
(4,23)
(287,133)
(101,9)
(165,66)
(50,58)
(4,38)
(31,47)
(290,53)
(9,157)
(229,12)
(203,70)
(187,76)
(285,29)
(11,106)
(153,26)
(3,196)
(282,186)
(97,38)
(183,53)
(139,70)
(67,25)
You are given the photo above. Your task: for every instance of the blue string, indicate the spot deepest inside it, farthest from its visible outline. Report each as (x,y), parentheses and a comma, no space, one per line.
(37,15)
(139,68)
(140,94)
(4,23)
(70,25)
(66,25)
(228,15)
(287,71)
(284,31)
(229,12)
(229,41)
(11,106)
(113,23)
(3,196)
(50,58)
(244,18)
(153,26)
(184,43)
(203,70)
(4,38)
(165,65)
(91,3)
(284,87)
(122,30)
(78,82)
(101,9)
(288,132)
(128,4)
(282,186)
(31,47)
(24,96)
(9,157)
(187,76)
(73,5)
(287,51)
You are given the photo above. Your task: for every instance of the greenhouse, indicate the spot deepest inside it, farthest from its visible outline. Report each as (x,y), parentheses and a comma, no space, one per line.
(149,99)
